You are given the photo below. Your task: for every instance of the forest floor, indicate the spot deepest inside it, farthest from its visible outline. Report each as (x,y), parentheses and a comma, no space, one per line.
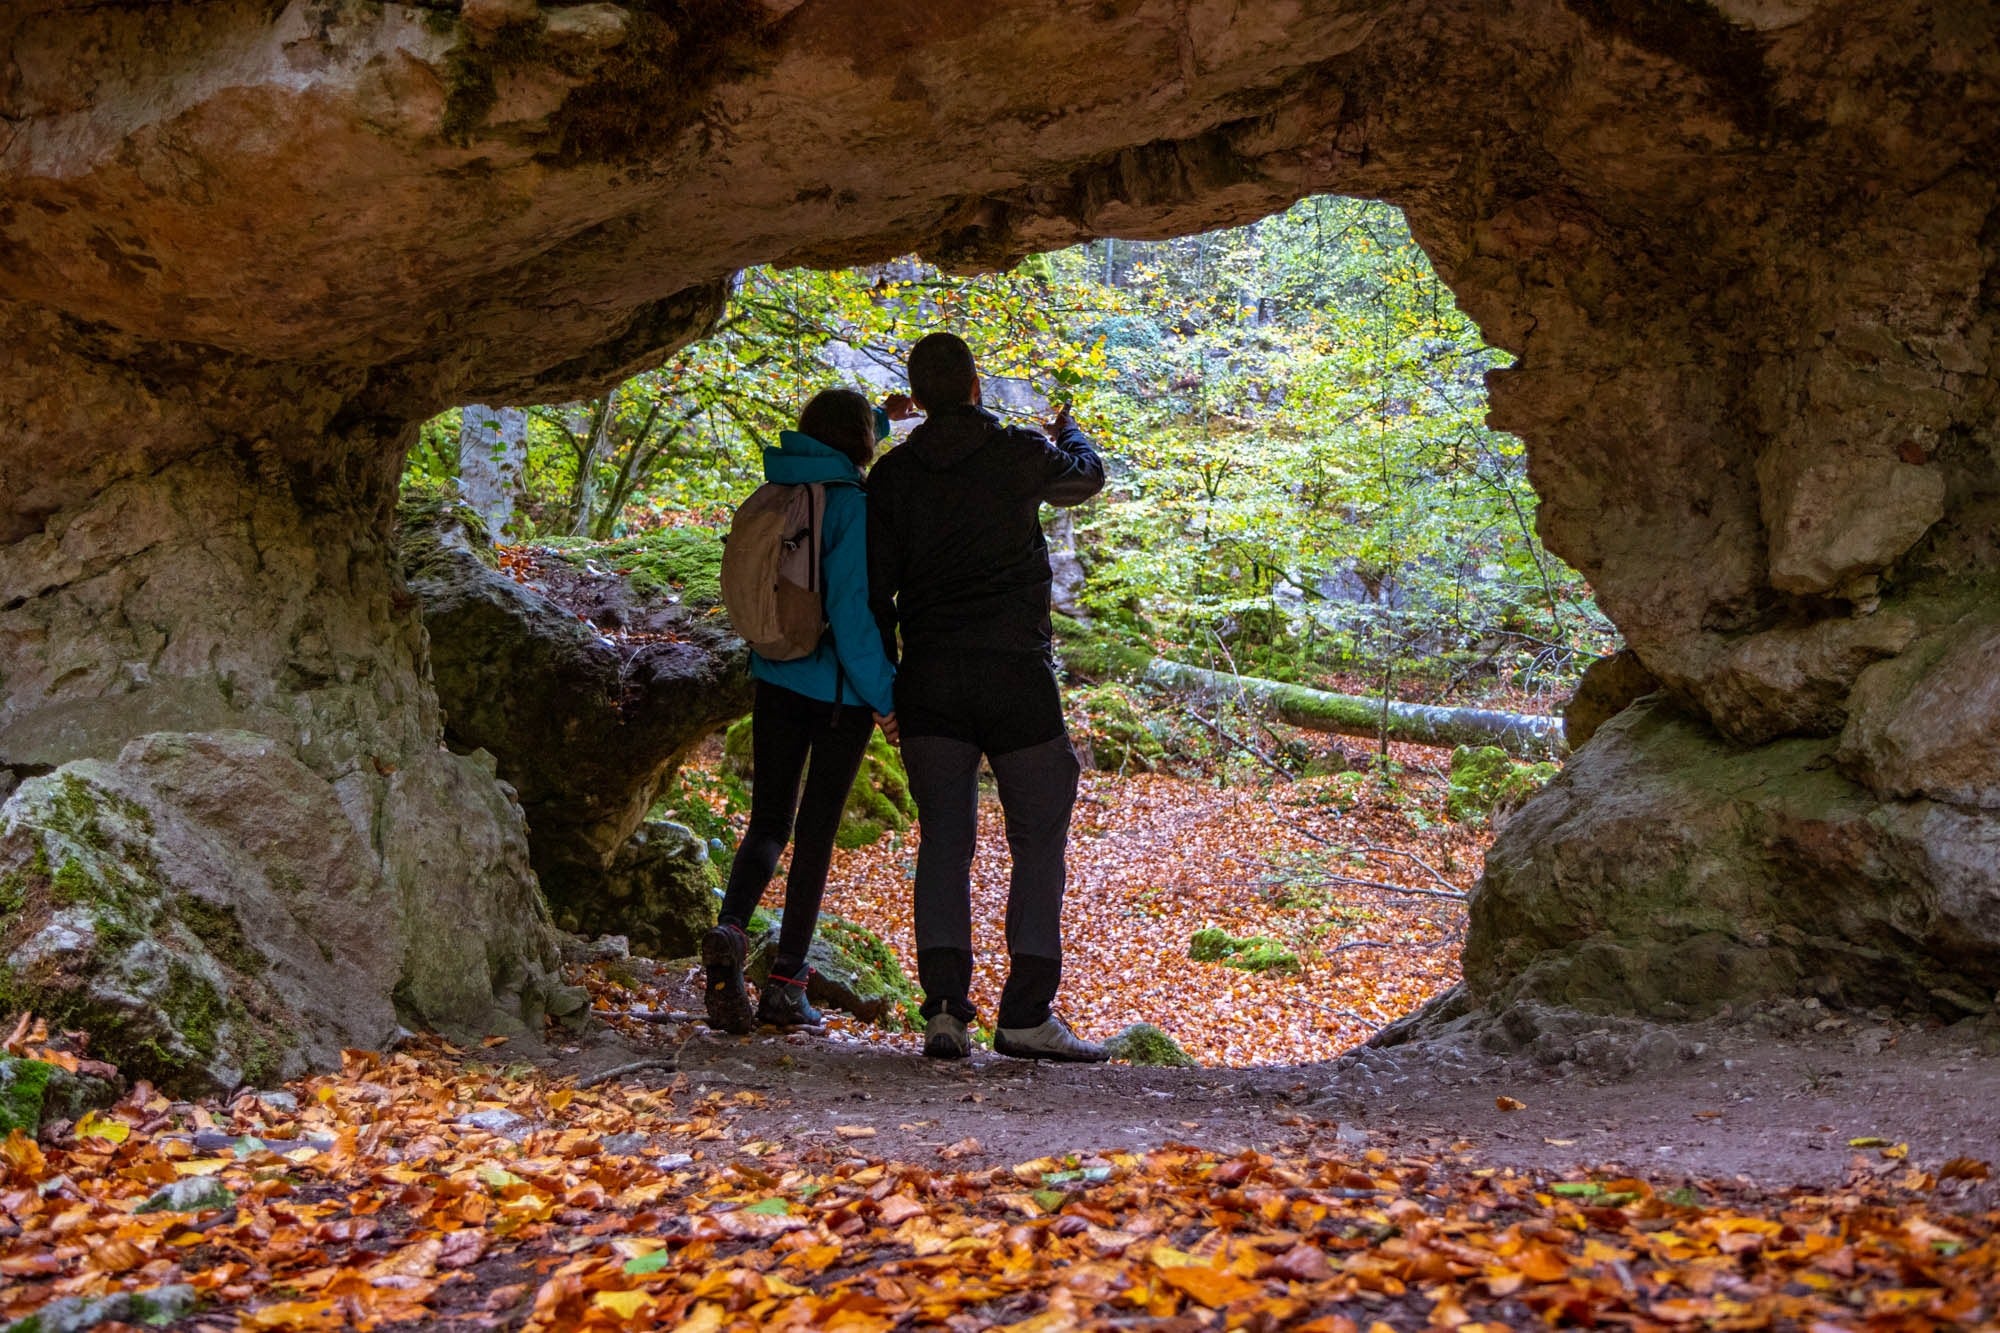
(1792,1168)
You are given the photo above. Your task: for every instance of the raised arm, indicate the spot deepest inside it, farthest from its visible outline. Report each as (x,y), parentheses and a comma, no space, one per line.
(1074,471)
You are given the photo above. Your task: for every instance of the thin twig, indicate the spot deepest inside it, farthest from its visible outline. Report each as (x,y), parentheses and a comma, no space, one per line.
(645,1015)
(1386,888)
(1419,861)
(667,1063)
(1242,745)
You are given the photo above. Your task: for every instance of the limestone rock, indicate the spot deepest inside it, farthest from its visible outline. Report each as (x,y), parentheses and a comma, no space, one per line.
(1741,255)
(1795,681)
(1668,872)
(585,727)
(1927,723)
(1609,686)
(660,886)
(157,1307)
(853,971)
(202,906)
(193,1195)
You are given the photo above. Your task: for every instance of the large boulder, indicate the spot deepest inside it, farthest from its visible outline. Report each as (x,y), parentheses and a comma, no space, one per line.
(204,907)
(587,684)
(1670,871)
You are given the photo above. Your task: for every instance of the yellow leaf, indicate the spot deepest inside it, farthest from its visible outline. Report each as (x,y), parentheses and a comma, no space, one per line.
(624,1304)
(202,1166)
(95,1126)
(1897,1153)
(1868,1141)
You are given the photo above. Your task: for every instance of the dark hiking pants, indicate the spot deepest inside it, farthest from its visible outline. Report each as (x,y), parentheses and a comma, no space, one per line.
(787,729)
(952,708)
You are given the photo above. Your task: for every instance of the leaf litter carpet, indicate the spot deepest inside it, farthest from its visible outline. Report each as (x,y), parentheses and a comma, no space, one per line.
(654,1175)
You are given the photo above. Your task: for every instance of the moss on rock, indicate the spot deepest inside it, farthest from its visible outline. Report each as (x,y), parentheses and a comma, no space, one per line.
(1145,1044)
(1114,730)
(880,801)
(24,1086)
(1485,781)
(1096,653)
(684,562)
(853,970)
(1250,953)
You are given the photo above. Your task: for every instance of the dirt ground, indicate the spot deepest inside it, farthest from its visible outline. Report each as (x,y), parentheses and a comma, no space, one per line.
(1733,1102)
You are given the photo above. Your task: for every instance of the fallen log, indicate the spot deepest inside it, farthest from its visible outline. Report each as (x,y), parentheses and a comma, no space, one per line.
(1523,735)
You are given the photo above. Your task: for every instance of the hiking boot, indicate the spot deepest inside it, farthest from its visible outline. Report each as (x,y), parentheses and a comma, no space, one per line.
(782,1003)
(727,999)
(1050,1041)
(945,1038)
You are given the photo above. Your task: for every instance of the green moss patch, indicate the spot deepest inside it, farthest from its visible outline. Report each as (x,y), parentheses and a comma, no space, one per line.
(1250,953)
(1145,1044)
(1485,780)
(685,562)
(880,801)
(1113,726)
(1094,652)
(24,1086)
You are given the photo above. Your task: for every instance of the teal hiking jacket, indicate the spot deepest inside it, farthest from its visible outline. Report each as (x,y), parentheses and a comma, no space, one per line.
(852,652)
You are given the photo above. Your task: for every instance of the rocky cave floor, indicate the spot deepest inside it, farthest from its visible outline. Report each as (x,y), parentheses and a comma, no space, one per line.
(1773,1098)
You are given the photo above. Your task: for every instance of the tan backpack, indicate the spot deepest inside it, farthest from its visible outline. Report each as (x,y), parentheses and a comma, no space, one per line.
(771,570)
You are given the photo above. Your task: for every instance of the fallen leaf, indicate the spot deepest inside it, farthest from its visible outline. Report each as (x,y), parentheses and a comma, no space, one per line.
(1509,1104)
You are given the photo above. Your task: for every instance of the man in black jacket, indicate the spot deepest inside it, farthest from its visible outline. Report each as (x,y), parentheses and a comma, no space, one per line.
(957,566)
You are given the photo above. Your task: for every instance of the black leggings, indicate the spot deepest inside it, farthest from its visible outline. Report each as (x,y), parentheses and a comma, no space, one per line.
(786,729)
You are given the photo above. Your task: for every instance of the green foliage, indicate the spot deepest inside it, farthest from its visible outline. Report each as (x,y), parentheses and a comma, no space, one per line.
(1251,953)
(1303,480)
(1484,779)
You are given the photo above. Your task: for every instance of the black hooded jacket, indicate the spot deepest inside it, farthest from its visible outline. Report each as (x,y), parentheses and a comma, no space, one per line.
(955,550)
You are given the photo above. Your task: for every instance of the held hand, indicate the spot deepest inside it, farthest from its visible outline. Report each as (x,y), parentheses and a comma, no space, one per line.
(888,724)
(899,407)
(1061,422)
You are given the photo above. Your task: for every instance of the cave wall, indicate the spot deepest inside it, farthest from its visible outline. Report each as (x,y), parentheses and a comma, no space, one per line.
(1744,254)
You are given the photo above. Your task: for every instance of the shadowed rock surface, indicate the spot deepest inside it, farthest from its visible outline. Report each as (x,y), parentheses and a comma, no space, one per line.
(587,686)
(1744,254)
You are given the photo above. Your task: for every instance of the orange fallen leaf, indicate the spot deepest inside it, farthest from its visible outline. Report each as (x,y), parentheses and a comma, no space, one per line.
(1212,1287)
(1509,1104)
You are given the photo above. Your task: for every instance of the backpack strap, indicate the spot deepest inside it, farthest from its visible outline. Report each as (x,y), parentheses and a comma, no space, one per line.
(819,580)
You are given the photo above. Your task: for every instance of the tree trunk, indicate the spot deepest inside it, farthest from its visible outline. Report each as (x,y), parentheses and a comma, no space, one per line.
(1523,735)
(492,449)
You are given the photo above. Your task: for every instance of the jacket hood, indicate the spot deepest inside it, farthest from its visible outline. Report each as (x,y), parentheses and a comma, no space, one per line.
(800,458)
(947,438)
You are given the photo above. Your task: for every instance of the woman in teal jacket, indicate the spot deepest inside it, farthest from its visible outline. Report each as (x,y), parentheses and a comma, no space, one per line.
(819,708)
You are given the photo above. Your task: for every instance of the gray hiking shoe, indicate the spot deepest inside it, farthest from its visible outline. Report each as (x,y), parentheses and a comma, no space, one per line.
(1051,1041)
(945,1038)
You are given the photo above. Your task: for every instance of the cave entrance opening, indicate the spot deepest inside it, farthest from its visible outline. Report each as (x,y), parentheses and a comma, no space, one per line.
(1313,572)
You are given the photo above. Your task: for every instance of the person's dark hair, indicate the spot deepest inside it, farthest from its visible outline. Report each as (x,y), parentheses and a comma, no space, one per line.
(841,419)
(941,372)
